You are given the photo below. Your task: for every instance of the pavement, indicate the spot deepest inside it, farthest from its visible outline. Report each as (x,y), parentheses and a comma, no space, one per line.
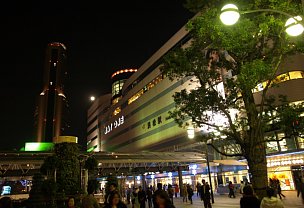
(223,201)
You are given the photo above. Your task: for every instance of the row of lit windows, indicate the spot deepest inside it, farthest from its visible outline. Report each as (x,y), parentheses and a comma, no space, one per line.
(149,86)
(280,78)
(281,144)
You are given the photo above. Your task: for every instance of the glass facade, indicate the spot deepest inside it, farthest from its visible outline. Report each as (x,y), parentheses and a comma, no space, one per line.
(117,86)
(281,78)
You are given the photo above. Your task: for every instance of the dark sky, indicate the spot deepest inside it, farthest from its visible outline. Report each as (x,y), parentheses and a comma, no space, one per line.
(101,37)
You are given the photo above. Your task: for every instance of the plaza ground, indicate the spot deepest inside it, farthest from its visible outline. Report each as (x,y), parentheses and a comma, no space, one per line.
(223,201)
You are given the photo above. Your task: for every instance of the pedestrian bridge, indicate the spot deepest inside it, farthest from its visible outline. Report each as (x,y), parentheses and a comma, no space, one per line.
(28,163)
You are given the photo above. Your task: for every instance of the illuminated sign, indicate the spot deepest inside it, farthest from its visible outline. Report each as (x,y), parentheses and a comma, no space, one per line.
(39,146)
(114,124)
(285,162)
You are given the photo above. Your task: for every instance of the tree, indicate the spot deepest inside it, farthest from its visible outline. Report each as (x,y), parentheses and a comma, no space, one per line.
(63,167)
(238,57)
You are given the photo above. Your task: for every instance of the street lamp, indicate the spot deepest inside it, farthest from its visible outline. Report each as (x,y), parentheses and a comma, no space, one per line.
(230,14)
(92,98)
(190,132)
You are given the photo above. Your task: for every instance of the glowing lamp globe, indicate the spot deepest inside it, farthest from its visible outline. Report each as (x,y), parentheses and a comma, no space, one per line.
(190,132)
(92,98)
(293,27)
(229,14)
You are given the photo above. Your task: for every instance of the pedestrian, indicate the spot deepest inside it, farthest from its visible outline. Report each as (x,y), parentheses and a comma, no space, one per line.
(185,193)
(249,200)
(198,189)
(159,188)
(298,182)
(6,202)
(271,201)
(142,197)
(176,190)
(301,188)
(112,189)
(280,190)
(190,193)
(71,202)
(128,195)
(242,187)
(162,200)
(89,200)
(231,190)
(170,192)
(149,196)
(115,201)
(205,194)
(134,198)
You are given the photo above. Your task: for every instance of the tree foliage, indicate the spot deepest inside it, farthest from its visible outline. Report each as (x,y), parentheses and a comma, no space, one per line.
(241,57)
(64,168)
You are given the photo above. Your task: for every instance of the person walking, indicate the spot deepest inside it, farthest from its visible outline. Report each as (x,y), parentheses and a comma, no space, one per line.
(185,193)
(128,195)
(280,190)
(249,200)
(149,196)
(170,192)
(159,189)
(190,193)
(115,201)
(242,187)
(162,200)
(71,202)
(134,198)
(205,194)
(89,201)
(176,190)
(142,197)
(112,189)
(231,190)
(6,202)
(271,201)
(198,189)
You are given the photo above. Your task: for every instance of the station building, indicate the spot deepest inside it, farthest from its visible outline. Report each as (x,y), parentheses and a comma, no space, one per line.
(134,118)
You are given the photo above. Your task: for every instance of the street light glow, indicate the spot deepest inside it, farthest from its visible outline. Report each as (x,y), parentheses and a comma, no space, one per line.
(190,132)
(92,98)
(293,27)
(230,14)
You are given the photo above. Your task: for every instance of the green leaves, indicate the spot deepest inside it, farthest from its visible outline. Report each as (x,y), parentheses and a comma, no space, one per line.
(254,72)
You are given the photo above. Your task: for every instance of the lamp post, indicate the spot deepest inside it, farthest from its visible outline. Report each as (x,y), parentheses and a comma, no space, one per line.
(230,14)
(191,135)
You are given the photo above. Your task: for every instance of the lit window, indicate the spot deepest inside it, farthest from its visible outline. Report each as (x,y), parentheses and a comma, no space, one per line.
(117,111)
(296,75)
(283,144)
(280,78)
(146,88)
(272,147)
(301,142)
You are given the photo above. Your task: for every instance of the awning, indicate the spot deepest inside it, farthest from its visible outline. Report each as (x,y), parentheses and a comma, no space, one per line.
(229,162)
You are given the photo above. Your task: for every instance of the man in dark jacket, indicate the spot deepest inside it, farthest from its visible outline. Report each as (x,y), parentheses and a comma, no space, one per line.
(142,197)
(205,194)
(159,189)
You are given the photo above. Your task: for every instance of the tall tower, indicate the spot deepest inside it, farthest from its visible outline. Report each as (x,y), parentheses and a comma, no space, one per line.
(50,119)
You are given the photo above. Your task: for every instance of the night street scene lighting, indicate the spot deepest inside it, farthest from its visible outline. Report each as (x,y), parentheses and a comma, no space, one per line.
(230,14)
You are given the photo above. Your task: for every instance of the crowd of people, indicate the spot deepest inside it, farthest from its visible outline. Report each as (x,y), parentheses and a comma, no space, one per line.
(162,196)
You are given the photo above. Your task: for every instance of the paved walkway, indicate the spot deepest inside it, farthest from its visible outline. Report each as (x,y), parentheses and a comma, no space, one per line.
(223,201)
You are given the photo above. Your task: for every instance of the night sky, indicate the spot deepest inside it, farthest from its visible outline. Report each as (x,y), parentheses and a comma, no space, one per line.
(101,37)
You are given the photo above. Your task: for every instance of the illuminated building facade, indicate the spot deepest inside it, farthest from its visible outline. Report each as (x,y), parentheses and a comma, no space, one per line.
(142,124)
(50,114)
